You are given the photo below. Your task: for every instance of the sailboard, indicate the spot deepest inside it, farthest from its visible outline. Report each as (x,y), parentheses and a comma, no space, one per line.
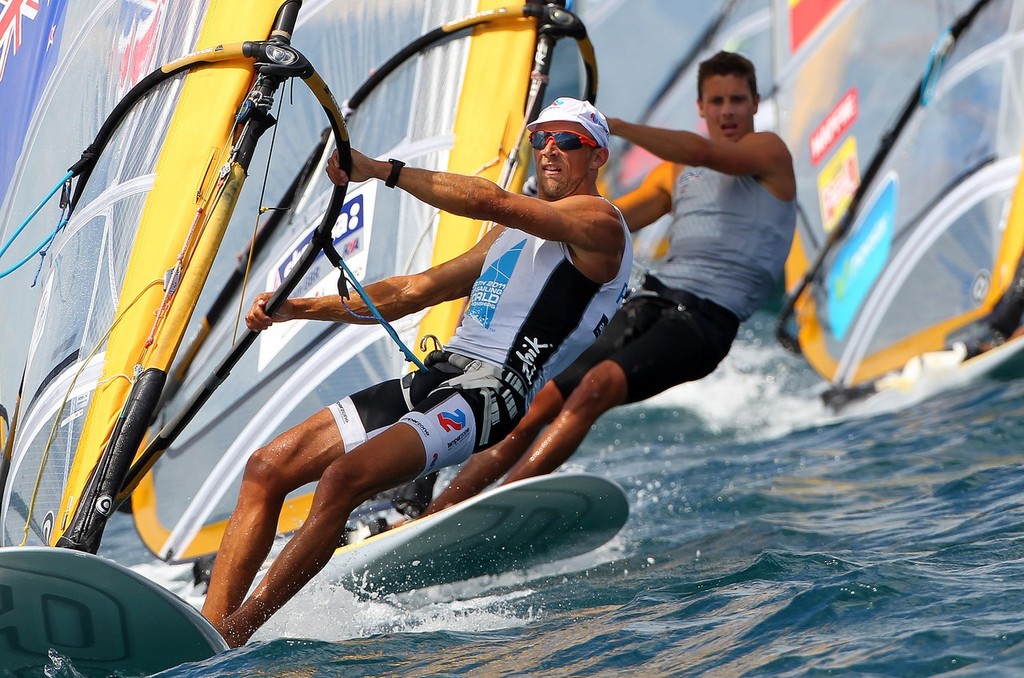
(908,158)
(512,527)
(935,372)
(103,617)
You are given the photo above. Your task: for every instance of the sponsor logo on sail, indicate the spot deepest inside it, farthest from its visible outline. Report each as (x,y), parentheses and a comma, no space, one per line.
(346,235)
(835,125)
(862,259)
(837,184)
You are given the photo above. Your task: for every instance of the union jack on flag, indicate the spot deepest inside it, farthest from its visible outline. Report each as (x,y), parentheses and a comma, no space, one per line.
(12,18)
(30,36)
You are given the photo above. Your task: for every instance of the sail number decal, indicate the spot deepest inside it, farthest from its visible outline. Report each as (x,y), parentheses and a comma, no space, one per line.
(862,258)
(42,612)
(351,236)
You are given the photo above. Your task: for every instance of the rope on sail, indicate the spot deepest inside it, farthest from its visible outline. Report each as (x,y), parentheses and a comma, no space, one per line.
(281,61)
(47,240)
(64,402)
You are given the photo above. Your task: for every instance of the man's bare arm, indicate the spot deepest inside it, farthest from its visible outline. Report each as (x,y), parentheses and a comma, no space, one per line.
(762,155)
(651,200)
(394,297)
(587,222)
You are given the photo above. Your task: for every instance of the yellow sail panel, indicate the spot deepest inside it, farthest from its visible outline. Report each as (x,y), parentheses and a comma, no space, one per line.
(1010,248)
(487,129)
(152,532)
(174,216)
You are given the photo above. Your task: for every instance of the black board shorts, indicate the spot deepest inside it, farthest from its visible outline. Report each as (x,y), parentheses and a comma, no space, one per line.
(659,342)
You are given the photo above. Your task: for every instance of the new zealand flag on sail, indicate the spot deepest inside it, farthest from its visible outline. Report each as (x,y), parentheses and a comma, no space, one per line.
(489,287)
(29,42)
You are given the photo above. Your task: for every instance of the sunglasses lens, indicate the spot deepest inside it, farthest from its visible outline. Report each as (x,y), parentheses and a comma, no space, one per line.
(566,141)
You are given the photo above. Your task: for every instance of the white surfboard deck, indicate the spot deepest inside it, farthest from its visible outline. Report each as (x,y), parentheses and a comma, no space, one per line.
(512,527)
(933,373)
(102,616)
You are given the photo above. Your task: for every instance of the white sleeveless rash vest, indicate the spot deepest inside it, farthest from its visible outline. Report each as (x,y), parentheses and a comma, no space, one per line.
(532,311)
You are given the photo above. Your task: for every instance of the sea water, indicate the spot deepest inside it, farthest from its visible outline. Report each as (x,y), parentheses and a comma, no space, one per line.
(766,538)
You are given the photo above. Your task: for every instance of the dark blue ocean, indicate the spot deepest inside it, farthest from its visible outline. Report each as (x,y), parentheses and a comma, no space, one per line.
(766,538)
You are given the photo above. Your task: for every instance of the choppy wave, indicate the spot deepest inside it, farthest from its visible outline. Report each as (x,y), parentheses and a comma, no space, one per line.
(766,537)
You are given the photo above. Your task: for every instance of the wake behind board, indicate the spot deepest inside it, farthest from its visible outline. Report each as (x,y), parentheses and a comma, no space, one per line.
(100,615)
(512,527)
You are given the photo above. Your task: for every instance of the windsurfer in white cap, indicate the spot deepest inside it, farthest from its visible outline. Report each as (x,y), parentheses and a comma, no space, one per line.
(540,286)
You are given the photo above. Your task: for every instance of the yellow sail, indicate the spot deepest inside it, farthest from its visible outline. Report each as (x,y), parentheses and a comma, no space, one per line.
(490,119)
(183,221)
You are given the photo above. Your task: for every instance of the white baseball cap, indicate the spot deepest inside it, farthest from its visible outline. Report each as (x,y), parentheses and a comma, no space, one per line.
(567,109)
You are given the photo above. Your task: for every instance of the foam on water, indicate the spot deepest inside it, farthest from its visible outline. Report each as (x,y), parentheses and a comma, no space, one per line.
(758,392)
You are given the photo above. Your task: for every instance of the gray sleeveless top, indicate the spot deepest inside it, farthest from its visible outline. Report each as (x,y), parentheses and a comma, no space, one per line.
(729,240)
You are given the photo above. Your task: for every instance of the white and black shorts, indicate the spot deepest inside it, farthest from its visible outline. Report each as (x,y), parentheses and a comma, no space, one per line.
(455,410)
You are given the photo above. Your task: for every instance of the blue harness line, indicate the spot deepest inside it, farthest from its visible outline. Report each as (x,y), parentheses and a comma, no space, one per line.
(46,241)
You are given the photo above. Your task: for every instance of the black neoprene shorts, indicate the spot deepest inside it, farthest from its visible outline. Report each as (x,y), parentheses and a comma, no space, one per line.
(658,343)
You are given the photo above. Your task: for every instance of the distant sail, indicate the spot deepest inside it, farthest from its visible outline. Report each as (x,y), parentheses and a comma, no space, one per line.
(936,236)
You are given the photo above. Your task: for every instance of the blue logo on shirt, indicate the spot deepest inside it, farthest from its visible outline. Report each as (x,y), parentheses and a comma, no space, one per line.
(491,284)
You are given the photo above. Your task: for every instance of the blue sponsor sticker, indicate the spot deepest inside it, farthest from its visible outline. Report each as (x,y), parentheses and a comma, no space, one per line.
(490,286)
(348,237)
(861,259)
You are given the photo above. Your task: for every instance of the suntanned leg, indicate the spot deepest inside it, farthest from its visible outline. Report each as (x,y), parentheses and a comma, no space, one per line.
(487,466)
(603,388)
(391,458)
(296,457)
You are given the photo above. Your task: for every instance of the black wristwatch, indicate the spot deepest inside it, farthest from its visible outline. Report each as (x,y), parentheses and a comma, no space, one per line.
(396,169)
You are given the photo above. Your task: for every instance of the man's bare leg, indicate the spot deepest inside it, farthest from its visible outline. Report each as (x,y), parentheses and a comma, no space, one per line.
(391,458)
(602,388)
(488,466)
(296,457)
